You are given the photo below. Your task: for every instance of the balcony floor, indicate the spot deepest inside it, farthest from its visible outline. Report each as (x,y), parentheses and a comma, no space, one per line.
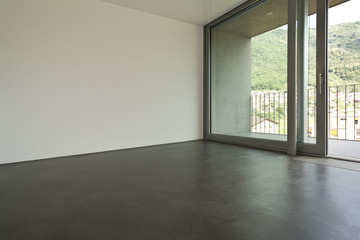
(344,148)
(337,148)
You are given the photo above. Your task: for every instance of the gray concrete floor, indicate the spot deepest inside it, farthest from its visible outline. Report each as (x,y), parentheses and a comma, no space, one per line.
(195,190)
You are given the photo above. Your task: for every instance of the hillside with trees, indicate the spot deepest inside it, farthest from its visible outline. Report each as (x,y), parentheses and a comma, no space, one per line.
(269,57)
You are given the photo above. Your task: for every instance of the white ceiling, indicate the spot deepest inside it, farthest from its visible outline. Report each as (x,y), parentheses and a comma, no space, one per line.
(198,12)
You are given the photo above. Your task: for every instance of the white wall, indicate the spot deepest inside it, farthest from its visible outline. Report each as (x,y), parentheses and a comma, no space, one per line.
(81,76)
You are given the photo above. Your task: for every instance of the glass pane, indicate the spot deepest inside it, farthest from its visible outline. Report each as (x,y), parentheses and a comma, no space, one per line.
(306,72)
(249,73)
(344,79)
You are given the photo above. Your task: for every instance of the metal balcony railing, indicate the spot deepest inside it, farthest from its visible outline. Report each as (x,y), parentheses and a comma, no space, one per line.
(269,112)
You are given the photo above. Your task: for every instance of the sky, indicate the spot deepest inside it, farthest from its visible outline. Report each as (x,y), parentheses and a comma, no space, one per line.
(345,12)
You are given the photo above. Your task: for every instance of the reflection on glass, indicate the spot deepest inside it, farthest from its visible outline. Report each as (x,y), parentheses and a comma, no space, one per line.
(249,73)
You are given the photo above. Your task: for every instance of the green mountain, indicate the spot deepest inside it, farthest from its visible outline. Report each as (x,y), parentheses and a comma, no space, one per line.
(269,57)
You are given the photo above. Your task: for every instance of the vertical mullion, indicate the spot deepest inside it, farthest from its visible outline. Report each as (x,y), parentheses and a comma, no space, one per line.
(255,117)
(273,109)
(269,111)
(354,114)
(308,112)
(207,84)
(329,113)
(346,112)
(279,112)
(337,112)
(285,112)
(260,112)
(291,93)
(315,113)
(252,110)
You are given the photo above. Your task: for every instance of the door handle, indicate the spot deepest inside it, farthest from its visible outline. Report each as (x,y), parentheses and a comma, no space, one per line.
(321,81)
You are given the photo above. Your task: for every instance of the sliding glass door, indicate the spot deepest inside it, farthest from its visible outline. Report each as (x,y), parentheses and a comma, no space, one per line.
(311,76)
(263,67)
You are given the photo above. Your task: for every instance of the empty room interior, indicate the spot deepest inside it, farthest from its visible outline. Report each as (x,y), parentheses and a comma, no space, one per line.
(179,120)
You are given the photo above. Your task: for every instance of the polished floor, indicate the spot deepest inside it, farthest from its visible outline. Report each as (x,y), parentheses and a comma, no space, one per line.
(195,190)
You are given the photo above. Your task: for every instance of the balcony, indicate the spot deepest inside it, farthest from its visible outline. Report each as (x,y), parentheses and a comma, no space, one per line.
(269,115)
